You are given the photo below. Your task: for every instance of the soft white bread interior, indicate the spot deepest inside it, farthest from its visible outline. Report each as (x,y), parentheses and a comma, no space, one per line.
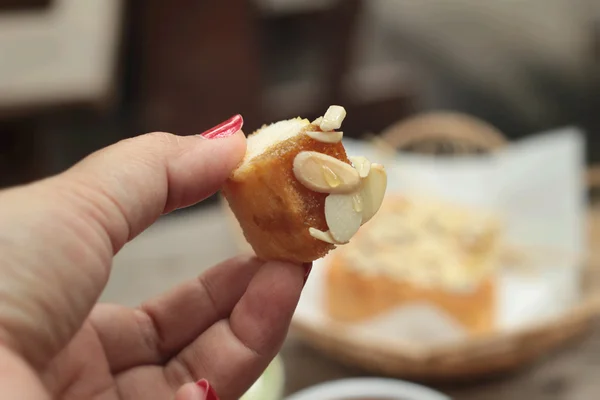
(270,136)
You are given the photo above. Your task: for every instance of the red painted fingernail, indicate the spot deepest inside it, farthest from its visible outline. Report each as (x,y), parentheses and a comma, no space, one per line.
(208,390)
(224,129)
(307,269)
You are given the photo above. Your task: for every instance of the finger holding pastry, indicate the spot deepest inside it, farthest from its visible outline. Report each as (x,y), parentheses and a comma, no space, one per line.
(297,195)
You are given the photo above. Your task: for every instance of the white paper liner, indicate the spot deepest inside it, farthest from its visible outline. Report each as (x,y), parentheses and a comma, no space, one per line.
(536,186)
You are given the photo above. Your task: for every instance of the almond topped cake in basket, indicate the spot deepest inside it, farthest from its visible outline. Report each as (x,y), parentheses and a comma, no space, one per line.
(418,250)
(472,265)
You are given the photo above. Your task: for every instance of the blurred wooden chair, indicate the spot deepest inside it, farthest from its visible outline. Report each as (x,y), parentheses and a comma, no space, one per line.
(200,61)
(196,62)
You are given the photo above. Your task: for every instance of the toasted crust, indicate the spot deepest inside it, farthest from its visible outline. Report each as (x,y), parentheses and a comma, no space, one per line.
(274,209)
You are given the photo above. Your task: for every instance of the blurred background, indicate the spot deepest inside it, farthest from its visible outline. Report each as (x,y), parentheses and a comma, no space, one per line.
(78,75)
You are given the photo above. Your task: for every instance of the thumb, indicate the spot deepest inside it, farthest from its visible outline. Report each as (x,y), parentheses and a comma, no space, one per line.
(58,236)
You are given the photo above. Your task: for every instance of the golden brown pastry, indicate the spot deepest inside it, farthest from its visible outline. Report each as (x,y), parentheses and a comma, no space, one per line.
(297,194)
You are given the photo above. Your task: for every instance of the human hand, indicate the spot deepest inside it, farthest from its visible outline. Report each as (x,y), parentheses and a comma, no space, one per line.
(57,240)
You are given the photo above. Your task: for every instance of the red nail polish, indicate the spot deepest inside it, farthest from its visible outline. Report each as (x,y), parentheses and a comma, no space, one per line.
(210,392)
(307,269)
(224,129)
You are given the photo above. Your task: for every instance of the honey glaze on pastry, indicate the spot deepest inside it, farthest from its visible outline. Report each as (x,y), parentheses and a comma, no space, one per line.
(297,195)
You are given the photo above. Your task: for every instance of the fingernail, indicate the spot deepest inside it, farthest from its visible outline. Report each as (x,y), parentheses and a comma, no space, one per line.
(224,129)
(307,269)
(208,390)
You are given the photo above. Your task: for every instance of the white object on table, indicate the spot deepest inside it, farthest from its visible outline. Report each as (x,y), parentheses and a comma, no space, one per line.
(360,388)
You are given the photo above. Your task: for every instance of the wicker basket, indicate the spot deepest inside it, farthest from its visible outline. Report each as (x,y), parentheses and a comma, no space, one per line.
(448,133)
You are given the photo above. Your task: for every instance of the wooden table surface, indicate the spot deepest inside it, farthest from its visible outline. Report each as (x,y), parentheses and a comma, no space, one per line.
(177,248)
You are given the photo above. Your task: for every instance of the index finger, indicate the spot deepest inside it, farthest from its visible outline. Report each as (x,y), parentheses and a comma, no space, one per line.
(233,352)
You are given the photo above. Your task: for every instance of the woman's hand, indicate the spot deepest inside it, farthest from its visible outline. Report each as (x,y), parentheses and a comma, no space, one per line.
(57,240)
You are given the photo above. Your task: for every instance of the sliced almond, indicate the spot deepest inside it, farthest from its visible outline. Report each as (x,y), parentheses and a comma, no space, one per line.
(325,174)
(342,219)
(326,137)
(323,236)
(373,190)
(362,165)
(333,118)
